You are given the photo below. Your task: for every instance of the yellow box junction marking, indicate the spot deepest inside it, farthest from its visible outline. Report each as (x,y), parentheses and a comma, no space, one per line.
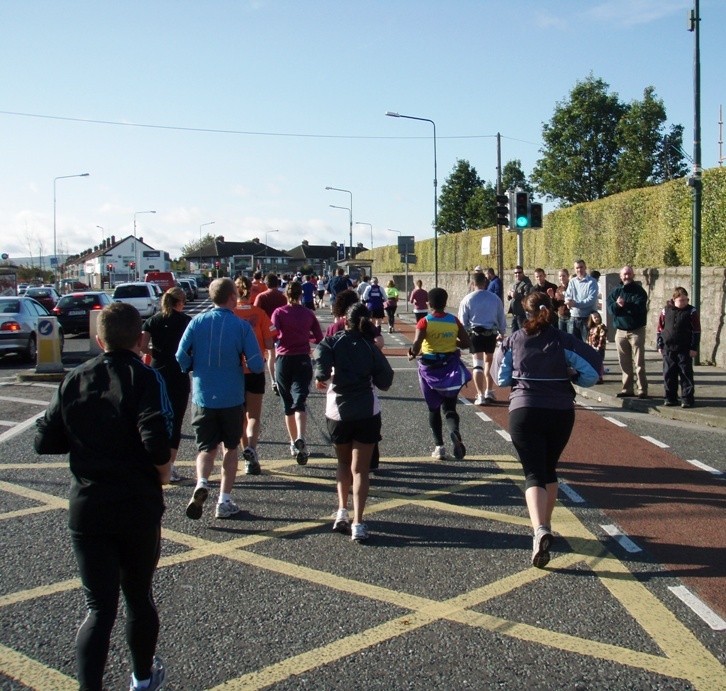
(684,657)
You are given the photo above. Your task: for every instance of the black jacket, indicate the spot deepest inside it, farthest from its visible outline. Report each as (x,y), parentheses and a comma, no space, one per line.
(113,417)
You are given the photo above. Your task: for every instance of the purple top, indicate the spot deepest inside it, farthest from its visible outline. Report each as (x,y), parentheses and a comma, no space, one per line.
(297,326)
(420,300)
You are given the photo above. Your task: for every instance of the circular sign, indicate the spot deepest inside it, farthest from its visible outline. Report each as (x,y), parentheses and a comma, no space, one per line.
(45,327)
(5,255)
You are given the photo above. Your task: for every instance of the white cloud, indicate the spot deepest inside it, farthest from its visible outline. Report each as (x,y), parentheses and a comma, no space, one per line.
(631,13)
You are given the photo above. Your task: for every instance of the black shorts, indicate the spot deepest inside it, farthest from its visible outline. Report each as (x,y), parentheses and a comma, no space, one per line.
(377,313)
(213,426)
(482,344)
(255,382)
(367,431)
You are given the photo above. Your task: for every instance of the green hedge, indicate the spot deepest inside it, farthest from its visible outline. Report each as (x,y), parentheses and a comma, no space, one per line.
(644,227)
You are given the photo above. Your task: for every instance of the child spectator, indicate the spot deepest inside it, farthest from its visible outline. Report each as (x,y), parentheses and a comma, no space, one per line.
(597,337)
(679,335)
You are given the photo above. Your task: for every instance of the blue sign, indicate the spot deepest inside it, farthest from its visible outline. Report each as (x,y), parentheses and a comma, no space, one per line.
(45,327)
(341,251)
(54,261)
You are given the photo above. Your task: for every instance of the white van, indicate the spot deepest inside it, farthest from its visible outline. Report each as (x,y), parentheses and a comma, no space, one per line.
(142,296)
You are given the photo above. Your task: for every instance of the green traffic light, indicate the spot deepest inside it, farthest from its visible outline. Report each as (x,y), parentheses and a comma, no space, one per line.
(521,221)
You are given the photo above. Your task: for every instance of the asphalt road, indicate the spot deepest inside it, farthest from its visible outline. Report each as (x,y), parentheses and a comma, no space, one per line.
(442,594)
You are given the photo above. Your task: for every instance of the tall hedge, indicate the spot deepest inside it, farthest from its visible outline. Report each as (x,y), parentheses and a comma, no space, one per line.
(650,226)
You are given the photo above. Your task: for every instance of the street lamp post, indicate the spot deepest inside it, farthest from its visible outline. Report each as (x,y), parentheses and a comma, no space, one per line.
(136,244)
(55,248)
(100,259)
(436,195)
(363,223)
(267,232)
(391,230)
(338,189)
(211,223)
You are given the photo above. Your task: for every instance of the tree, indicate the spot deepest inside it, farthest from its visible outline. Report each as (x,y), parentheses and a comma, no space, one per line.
(194,246)
(580,156)
(513,176)
(669,160)
(466,201)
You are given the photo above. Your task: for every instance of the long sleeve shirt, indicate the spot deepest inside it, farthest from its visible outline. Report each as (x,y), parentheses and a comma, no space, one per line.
(584,293)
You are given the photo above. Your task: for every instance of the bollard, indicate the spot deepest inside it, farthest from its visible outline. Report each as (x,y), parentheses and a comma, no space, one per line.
(49,347)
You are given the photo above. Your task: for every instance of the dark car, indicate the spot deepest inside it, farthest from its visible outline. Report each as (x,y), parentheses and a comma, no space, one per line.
(73,310)
(19,326)
(45,295)
(186,286)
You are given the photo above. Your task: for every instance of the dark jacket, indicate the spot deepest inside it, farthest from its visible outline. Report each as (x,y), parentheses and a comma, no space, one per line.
(520,289)
(679,329)
(634,313)
(113,417)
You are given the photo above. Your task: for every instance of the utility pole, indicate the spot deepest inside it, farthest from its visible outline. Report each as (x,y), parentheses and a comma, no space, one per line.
(500,228)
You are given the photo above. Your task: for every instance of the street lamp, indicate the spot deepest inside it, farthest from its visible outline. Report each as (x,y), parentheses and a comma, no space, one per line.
(363,223)
(436,196)
(136,244)
(338,189)
(55,249)
(267,232)
(211,223)
(100,259)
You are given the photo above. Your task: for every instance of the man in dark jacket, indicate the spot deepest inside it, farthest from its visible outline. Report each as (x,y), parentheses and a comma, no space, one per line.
(519,290)
(628,304)
(114,419)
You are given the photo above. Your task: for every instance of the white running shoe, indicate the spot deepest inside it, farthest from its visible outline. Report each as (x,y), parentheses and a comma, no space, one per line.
(489,395)
(302,453)
(541,547)
(439,453)
(196,504)
(480,400)
(252,462)
(158,677)
(359,532)
(175,477)
(342,521)
(226,509)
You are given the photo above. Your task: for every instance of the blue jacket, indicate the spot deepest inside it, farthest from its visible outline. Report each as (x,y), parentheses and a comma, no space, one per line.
(539,368)
(213,346)
(584,293)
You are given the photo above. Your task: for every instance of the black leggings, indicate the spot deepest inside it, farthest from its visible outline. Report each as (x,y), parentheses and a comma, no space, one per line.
(540,435)
(107,563)
(451,416)
(391,312)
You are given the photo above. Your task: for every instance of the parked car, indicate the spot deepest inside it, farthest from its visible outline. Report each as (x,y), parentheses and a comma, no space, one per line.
(22,288)
(46,296)
(19,326)
(186,286)
(73,309)
(141,295)
(164,279)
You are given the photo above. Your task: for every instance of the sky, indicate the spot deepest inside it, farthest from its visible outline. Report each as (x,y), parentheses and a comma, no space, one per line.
(242,112)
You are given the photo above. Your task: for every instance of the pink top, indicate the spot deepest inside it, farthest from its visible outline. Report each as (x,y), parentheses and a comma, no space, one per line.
(298,326)
(420,300)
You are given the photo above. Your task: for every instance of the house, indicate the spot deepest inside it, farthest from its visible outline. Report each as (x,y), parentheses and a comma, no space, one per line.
(112,262)
(319,259)
(234,258)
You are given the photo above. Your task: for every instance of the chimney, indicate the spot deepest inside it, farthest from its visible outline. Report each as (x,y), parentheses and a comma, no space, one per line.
(113,239)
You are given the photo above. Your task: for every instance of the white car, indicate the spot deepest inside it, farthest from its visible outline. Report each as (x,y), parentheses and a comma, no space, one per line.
(142,296)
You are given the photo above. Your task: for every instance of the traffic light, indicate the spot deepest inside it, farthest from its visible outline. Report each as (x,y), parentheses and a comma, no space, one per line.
(217,264)
(110,268)
(521,209)
(132,265)
(503,202)
(535,215)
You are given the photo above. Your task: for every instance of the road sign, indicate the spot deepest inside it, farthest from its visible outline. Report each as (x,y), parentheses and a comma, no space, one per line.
(408,259)
(5,256)
(54,261)
(406,244)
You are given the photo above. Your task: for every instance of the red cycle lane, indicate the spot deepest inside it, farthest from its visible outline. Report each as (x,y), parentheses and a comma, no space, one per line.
(668,507)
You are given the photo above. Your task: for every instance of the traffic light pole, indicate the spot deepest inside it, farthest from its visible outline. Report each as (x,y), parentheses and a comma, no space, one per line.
(500,227)
(696,180)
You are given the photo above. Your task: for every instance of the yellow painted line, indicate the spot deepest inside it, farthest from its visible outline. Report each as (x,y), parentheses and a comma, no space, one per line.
(32,673)
(40,591)
(32,466)
(42,497)
(28,512)
(475,513)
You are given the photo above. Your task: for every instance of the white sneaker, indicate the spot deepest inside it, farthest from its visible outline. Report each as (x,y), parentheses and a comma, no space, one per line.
(302,453)
(439,453)
(252,462)
(359,532)
(342,521)
(196,504)
(226,509)
(489,395)
(175,477)
(158,677)
(480,400)
(293,449)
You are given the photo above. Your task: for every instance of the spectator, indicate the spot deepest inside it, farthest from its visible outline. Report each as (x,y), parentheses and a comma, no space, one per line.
(679,335)
(628,304)
(542,285)
(216,346)
(495,284)
(116,498)
(521,287)
(560,303)
(581,298)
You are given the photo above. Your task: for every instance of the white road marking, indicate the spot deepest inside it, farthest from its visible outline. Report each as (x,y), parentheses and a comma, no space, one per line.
(707,468)
(655,441)
(615,422)
(465,401)
(8,423)
(10,399)
(625,542)
(699,607)
(574,496)
(504,434)
(483,416)
(30,422)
